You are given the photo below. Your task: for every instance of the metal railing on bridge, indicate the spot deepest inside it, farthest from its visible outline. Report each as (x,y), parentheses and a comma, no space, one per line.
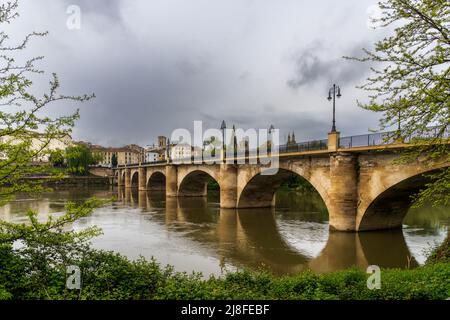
(141,163)
(363,140)
(390,137)
(314,145)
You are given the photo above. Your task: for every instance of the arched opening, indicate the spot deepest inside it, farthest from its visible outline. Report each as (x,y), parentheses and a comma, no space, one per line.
(197,184)
(264,191)
(123,178)
(135,180)
(157,182)
(388,209)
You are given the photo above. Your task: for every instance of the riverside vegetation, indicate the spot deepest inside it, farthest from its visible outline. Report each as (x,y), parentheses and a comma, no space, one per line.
(38,271)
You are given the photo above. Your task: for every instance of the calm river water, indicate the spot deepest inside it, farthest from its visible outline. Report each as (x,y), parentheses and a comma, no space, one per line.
(194,234)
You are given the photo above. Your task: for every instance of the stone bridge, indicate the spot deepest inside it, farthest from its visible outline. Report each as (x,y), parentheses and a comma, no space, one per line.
(363,188)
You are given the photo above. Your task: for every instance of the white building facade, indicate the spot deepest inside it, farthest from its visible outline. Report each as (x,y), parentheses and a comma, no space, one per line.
(151,156)
(41,145)
(184,151)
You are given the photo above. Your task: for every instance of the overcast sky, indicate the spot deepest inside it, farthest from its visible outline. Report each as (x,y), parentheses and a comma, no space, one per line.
(158,65)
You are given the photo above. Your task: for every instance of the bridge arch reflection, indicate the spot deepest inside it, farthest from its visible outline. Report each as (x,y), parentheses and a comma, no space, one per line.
(254,238)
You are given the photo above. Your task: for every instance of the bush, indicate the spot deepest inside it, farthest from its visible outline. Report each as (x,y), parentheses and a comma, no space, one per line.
(79,158)
(108,275)
(56,158)
(441,253)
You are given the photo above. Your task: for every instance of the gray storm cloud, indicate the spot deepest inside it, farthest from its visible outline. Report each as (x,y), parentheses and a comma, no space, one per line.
(314,63)
(159,65)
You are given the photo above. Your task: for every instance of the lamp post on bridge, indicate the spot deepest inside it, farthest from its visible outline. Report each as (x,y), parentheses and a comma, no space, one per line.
(168,150)
(334,136)
(336,92)
(269,141)
(223,127)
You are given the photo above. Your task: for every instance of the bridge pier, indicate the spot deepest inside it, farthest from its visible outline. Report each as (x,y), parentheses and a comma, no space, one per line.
(171,181)
(343,193)
(127,178)
(228,186)
(142,179)
(119,178)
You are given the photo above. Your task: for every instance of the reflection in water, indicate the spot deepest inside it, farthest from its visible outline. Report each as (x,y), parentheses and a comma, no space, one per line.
(195,234)
(346,249)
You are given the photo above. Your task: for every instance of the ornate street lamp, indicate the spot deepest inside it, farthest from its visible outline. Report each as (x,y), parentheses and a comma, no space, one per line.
(223,127)
(168,150)
(269,142)
(336,92)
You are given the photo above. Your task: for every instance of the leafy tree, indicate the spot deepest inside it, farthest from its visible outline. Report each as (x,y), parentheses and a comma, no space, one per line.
(24,132)
(56,158)
(79,158)
(114,161)
(412,82)
(211,146)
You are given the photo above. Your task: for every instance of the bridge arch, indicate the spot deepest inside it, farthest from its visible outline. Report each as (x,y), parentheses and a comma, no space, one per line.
(386,206)
(134,179)
(156,181)
(195,183)
(258,191)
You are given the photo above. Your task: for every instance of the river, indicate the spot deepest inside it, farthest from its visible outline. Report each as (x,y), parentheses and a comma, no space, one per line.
(194,234)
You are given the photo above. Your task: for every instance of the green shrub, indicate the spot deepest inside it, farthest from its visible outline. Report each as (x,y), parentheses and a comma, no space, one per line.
(108,275)
(441,253)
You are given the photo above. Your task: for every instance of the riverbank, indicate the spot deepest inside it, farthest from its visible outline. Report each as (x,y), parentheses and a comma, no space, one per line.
(73,181)
(106,275)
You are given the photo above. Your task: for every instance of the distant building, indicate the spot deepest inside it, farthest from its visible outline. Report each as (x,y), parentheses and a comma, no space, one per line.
(162,142)
(184,151)
(129,154)
(291,139)
(151,156)
(153,153)
(40,144)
